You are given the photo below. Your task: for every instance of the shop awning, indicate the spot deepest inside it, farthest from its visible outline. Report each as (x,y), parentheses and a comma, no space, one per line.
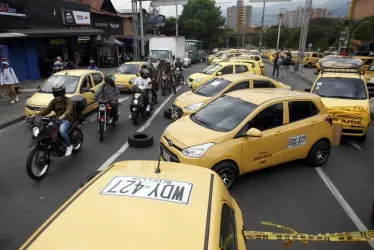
(112,41)
(57,32)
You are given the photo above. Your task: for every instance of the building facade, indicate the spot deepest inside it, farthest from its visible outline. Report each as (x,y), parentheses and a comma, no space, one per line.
(294,18)
(362,8)
(239,17)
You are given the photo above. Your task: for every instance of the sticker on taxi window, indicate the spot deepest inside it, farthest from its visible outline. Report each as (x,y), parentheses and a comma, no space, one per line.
(149,188)
(319,83)
(297,141)
(215,83)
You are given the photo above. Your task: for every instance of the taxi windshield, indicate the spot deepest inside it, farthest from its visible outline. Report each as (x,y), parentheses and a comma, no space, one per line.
(223,114)
(211,69)
(306,54)
(212,87)
(128,69)
(344,88)
(70,83)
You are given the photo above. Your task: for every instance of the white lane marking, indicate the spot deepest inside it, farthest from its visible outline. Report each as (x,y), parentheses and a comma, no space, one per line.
(28,90)
(347,208)
(141,129)
(121,100)
(355,144)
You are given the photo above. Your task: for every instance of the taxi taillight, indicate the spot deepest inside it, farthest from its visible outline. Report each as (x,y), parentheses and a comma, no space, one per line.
(329,119)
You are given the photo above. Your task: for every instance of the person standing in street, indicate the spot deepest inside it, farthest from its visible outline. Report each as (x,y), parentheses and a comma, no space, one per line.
(9,79)
(275,64)
(93,66)
(286,64)
(58,65)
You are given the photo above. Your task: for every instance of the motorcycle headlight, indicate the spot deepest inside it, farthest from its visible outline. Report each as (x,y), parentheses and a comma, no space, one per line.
(194,107)
(199,79)
(35,131)
(102,107)
(197,151)
(136,102)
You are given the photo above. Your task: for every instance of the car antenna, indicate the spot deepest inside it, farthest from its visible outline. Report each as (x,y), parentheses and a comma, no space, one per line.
(158,170)
(293,87)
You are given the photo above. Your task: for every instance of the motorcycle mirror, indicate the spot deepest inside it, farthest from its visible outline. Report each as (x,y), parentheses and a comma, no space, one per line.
(92,91)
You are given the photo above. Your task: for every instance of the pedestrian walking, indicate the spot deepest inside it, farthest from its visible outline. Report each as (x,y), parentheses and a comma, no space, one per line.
(280,66)
(275,64)
(9,79)
(286,65)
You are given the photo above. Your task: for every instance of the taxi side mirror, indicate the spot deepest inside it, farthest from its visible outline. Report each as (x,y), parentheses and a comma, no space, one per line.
(137,74)
(307,90)
(85,90)
(254,132)
(219,73)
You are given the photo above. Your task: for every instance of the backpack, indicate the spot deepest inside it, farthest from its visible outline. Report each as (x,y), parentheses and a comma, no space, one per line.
(287,61)
(280,61)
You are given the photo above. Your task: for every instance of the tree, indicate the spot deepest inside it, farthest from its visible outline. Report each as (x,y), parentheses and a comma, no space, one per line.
(153,11)
(208,16)
(169,28)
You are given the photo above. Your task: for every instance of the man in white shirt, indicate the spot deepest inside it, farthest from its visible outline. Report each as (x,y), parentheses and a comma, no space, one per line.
(8,78)
(143,82)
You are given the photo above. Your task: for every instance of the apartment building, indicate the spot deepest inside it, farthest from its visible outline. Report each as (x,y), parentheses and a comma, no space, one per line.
(239,16)
(294,18)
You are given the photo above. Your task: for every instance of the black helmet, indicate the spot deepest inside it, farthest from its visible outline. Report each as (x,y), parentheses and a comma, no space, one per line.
(162,61)
(109,79)
(178,59)
(58,91)
(144,73)
(148,65)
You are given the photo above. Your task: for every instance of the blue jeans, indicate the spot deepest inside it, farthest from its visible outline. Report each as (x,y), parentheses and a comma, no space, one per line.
(64,128)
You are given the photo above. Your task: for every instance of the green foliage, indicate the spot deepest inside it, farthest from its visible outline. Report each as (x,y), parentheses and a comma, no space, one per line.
(195,28)
(365,32)
(169,29)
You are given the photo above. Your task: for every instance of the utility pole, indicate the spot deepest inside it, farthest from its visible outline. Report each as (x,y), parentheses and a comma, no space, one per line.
(154,21)
(350,15)
(279,26)
(176,20)
(262,26)
(141,29)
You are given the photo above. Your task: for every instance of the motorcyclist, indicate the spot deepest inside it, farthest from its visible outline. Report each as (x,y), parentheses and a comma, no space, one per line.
(165,69)
(179,64)
(63,108)
(152,76)
(58,65)
(144,83)
(93,66)
(109,91)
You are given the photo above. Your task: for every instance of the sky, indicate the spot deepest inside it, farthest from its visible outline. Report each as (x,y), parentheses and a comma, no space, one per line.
(170,10)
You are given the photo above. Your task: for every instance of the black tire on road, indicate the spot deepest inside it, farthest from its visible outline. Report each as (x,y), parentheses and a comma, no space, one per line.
(227,171)
(309,65)
(319,153)
(101,131)
(140,140)
(163,90)
(174,89)
(77,140)
(30,157)
(88,178)
(167,113)
(135,118)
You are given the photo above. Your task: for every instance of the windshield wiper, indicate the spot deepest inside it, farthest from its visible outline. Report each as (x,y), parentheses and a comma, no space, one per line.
(343,97)
(204,123)
(197,92)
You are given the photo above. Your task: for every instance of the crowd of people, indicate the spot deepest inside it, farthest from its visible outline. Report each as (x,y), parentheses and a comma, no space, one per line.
(282,62)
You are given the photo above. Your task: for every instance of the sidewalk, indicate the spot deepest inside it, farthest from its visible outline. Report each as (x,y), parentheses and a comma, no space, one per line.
(308,76)
(13,113)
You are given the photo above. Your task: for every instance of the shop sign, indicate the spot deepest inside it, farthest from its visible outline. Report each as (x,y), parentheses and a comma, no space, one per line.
(73,17)
(7,9)
(56,41)
(84,38)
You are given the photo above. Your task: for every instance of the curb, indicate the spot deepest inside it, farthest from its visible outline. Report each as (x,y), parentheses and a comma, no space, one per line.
(11,122)
(307,80)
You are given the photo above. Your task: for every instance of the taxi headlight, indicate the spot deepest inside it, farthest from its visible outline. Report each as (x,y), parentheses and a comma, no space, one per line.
(199,79)
(194,107)
(197,151)
(136,102)
(35,131)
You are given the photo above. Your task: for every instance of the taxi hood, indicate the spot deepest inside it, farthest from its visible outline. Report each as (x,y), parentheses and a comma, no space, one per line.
(129,206)
(189,98)
(199,75)
(189,134)
(124,77)
(42,99)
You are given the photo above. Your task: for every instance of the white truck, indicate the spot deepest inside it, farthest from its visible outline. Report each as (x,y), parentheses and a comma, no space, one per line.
(164,47)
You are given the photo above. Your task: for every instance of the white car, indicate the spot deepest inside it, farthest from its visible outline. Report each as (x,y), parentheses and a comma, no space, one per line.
(186,61)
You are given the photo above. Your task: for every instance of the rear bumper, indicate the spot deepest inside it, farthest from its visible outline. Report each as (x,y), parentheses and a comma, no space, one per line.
(354,131)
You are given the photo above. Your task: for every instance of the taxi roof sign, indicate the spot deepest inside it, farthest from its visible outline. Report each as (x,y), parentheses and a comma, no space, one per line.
(341,63)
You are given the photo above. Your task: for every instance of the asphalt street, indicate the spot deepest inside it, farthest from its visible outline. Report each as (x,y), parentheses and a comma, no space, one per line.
(334,198)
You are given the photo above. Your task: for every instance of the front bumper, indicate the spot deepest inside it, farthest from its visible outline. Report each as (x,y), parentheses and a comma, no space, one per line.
(122,86)
(177,111)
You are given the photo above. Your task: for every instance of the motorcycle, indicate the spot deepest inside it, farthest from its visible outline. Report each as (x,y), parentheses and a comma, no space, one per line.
(177,76)
(111,62)
(137,106)
(105,117)
(166,84)
(47,142)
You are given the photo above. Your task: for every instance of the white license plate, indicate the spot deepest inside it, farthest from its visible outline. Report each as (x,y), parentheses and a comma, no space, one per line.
(165,155)
(297,141)
(149,188)
(174,114)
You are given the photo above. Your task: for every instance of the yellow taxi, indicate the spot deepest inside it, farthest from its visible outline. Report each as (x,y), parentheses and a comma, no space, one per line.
(211,57)
(294,55)
(223,68)
(257,66)
(344,93)
(78,82)
(147,205)
(126,75)
(191,101)
(369,74)
(224,56)
(311,59)
(366,59)
(248,130)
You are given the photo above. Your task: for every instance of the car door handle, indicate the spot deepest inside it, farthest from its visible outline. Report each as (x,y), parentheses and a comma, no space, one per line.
(279,132)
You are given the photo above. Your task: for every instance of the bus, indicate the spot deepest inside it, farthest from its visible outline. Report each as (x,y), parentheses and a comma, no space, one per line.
(196,49)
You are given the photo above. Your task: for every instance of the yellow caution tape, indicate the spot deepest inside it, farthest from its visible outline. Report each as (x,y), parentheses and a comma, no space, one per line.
(289,238)
(356,115)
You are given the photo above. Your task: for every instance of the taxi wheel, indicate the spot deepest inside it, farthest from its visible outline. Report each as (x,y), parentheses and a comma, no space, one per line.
(309,65)
(227,171)
(140,140)
(319,153)
(167,113)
